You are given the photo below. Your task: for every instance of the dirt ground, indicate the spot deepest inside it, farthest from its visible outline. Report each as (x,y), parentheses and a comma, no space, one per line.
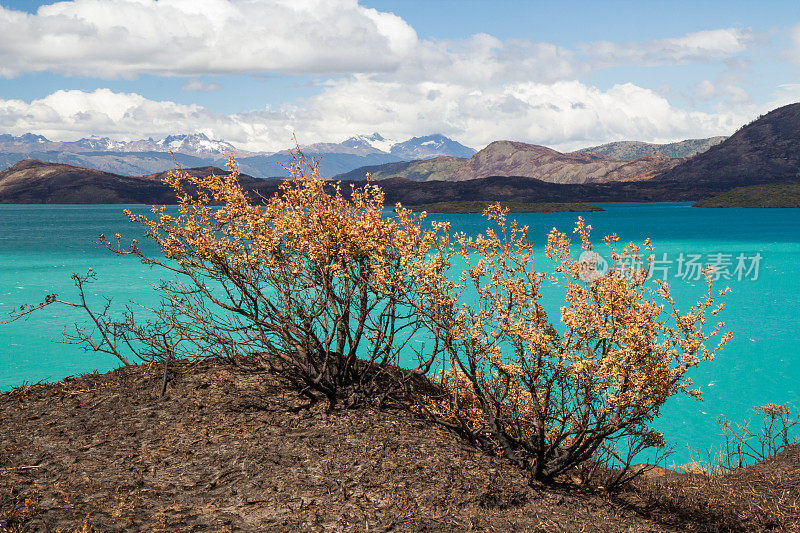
(231,450)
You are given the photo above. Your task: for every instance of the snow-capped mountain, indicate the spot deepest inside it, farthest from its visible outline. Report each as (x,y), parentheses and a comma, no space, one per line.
(99,143)
(428,147)
(26,138)
(147,156)
(196,143)
(376,141)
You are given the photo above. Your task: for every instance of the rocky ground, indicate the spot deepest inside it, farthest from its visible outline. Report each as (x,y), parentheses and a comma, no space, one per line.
(232,450)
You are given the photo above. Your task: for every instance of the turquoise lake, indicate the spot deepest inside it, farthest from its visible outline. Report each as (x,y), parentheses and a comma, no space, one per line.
(757,249)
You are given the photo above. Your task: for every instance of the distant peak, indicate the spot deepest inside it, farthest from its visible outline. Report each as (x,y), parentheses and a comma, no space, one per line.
(25,138)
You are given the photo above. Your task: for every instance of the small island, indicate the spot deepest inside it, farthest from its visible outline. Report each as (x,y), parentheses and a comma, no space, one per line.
(767,195)
(513,207)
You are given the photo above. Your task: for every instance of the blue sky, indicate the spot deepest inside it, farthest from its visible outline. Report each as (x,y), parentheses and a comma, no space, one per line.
(563,74)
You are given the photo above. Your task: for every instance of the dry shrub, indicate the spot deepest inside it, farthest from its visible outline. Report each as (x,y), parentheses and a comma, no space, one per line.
(744,445)
(552,395)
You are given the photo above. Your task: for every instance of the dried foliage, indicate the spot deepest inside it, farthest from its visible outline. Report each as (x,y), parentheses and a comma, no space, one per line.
(745,446)
(311,279)
(552,396)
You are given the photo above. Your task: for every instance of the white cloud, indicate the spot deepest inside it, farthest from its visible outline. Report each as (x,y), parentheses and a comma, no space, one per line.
(198,85)
(68,115)
(476,89)
(563,115)
(710,45)
(483,59)
(124,38)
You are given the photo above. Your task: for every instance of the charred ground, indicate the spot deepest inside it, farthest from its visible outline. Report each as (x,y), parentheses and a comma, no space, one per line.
(230,449)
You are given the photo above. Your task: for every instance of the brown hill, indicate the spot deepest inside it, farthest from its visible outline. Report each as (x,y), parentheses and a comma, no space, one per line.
(34,182)
(765,151)
(510,158)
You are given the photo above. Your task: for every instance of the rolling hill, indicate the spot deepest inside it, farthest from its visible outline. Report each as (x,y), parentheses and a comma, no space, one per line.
(757,196)
(36,182)
(765,151)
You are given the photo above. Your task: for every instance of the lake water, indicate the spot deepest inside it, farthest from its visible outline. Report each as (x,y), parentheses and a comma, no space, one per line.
(759,248)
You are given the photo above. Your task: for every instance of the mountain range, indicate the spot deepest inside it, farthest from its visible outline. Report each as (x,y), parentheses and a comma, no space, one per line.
(512,158)
(149,156)
(766,151)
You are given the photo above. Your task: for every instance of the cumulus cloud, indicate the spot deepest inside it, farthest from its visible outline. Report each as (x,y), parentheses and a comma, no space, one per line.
(563,115)
(197,85)
(67,115)
(376,75)
(710,45)
(124,38)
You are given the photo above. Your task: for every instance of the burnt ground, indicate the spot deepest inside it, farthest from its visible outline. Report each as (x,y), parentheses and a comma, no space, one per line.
(231,450)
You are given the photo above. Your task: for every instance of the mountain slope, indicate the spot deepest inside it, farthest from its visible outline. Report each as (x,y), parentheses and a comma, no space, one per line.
(32,181)
(510,158)
(630,150)
(148,155)
(127,163)
(330,163)
(765,151)
(36,182)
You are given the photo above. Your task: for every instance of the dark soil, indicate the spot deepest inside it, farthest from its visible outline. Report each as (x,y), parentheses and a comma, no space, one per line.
(231,450)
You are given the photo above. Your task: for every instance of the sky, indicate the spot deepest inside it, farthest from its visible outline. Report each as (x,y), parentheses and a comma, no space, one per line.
(566,74)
